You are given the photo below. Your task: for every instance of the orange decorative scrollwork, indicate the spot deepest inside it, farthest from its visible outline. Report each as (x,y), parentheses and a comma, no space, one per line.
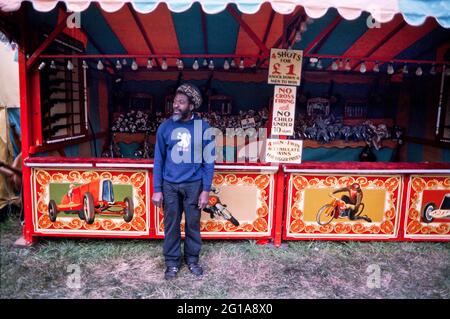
(89,176)
(138,223)
(137,180)
(300,182)
(262,181)
(42,177)
(342,228)
(418,184)
(391,184)
(231,179)
(260,225)
(297,226)
(296,213)
(387,227)
(218,179)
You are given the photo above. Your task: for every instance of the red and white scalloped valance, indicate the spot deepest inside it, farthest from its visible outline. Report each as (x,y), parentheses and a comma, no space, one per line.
(414,11)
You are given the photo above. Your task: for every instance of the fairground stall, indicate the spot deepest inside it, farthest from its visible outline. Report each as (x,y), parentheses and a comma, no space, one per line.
(302,91)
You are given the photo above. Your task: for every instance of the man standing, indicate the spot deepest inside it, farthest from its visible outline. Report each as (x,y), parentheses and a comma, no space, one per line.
(182,177)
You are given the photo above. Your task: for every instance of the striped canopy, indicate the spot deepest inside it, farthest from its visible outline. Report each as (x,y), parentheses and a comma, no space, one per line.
(414,11)
(249,28)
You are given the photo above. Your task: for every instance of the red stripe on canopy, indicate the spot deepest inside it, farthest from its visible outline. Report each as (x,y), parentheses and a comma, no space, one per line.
(402,40)
(373,39)
(127,32)
(258,23)
(161,31)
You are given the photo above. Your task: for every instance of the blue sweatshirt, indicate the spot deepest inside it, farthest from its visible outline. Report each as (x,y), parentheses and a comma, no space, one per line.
(183,153)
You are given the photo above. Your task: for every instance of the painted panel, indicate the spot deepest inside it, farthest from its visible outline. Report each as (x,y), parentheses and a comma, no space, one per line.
(247,196)
(88,202)
(313,213)
(428,208)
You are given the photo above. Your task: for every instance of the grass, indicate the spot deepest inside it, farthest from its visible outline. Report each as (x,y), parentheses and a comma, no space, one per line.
(116,268)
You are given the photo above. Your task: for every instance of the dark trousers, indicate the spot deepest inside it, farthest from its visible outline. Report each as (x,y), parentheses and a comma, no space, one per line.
(178,198)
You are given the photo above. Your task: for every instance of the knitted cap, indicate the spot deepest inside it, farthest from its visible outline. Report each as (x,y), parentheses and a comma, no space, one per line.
(192,92)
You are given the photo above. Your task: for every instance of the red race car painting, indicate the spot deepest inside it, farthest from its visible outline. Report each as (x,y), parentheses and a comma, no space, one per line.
(96,197)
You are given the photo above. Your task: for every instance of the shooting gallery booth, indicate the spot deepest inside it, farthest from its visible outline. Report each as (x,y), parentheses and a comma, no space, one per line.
(371,109)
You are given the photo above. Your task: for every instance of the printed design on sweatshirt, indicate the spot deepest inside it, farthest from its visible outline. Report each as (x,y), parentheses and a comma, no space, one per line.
(184,142)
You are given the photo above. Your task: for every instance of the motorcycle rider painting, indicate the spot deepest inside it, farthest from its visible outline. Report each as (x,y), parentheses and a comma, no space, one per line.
(353,202)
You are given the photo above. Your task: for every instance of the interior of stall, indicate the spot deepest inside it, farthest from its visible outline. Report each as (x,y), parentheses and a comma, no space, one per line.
(105,85)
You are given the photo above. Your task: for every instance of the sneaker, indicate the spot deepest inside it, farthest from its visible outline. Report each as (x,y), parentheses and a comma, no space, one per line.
(196,269)
(171,272)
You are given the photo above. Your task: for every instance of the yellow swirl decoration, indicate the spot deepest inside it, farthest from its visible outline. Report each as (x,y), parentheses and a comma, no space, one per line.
(122,179)
(75,223)
(413,213)
(74,177)
(310,229)
(418,184)
(314,182)
(374,229)
(296,213)
(391,184)
(300,182)
(442,229)
(202,225)
(326,229)
(218,179)
(45,222)
(231,179)
(137,179)
(108,224)
(446,183)
(42,207)
(330,181)
(182,227)
(358,228)
(262,211)
(89,176)
(214,226)
(387,227)
(362,181)
(413,227)
(346,180)
(426,230)
(262,181)
(432,184)
(140,210)
(42,177)
(161,225)
(247,227)
(378,183)
(138,223)
(229,227)
(297,197)
(95,225)
(342,228)
(106,175)
(390,214)
(58,225)
(57,177)
(297,226)
(260,225)
(125,226)
(247,180)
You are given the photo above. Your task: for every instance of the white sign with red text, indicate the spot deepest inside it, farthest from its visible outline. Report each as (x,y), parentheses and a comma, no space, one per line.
(284,151)
(285,67)
(283,110)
